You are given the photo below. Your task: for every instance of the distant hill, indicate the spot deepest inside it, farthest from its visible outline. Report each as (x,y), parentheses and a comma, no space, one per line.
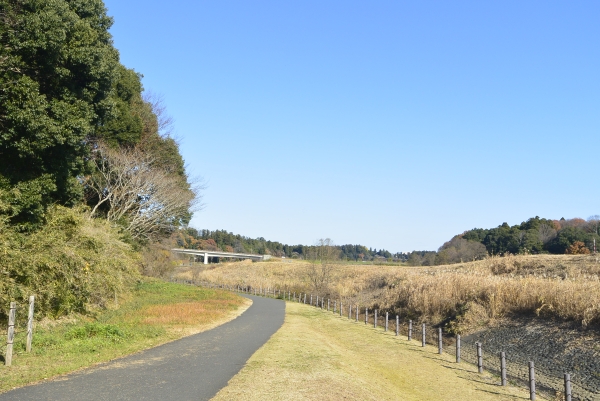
(534,236)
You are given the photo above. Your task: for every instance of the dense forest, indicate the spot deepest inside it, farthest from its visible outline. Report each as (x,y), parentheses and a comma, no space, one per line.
(90,179)
(534,236)
(229,242)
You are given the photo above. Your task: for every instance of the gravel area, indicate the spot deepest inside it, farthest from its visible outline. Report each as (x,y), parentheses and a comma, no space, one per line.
(554,348)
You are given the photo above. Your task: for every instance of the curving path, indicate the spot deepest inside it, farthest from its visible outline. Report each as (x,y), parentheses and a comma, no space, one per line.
(192,368)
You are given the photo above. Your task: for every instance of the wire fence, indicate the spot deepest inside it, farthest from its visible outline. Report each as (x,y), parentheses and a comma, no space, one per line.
(572,376)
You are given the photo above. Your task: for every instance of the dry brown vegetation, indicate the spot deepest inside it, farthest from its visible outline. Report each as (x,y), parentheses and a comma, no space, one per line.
(186,313)
(462,297)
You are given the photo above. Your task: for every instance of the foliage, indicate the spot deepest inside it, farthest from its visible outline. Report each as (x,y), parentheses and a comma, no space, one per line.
(72,264)
(95,329)
(57,69)
(577,248)
(62,90)
(536,235)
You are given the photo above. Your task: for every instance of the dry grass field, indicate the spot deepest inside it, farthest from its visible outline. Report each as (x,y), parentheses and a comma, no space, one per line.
(320,356)
(461,297)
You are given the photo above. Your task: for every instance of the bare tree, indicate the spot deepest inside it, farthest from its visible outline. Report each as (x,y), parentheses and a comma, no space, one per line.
(461,250)
(146,201)
(164,122)
(546,233)
(593,225)
(322,257)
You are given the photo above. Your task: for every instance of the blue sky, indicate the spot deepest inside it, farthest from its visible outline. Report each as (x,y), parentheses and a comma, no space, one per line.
(389,124)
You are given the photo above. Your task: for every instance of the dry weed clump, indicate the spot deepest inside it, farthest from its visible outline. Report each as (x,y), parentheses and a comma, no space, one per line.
(186,313)
(461,297)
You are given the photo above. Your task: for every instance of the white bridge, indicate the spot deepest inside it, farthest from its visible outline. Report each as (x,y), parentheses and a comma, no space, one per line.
(219,254)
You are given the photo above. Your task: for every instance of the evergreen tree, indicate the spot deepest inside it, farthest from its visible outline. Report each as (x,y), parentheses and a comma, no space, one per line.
(58,70)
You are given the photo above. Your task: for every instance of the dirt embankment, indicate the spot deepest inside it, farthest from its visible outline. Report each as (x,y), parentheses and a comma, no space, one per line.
(555,348)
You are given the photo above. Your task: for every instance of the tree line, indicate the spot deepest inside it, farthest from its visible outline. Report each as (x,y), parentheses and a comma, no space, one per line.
(534,236)
(230,242)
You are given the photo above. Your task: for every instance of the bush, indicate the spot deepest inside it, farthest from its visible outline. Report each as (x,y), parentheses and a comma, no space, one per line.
(108,331)
(71,264)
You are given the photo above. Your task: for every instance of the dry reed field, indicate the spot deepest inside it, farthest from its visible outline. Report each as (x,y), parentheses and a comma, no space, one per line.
(461,297)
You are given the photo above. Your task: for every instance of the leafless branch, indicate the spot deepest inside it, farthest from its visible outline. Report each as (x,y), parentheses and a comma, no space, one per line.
(145,200)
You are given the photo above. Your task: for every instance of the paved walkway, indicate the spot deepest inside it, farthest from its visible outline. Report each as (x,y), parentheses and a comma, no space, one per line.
(193,368)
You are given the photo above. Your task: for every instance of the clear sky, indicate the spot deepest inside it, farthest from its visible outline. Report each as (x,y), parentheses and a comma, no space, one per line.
(391,124)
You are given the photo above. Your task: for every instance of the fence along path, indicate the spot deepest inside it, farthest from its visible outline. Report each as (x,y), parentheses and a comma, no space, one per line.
(551,380)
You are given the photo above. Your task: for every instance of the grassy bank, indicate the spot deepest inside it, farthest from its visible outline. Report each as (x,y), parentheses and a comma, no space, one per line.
(156,312)
(320,356)
(462,297)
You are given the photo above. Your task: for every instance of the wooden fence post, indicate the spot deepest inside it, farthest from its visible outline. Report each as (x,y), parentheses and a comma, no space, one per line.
(30,323)
(335,306)
(423,335)
(386,321)
(409,330)
(375,320)
(479,358)
(305,299)
(440,342)
(11,334)
(349,311)
(458,348)
(567,387)
(341,308)
(357,311)
(397,325)
(502,368)
(531,381)
(366,315)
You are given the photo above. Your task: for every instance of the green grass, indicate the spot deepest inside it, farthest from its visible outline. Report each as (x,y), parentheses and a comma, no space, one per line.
(155,313)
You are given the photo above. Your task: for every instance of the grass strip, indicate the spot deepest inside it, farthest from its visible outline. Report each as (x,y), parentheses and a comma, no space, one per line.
(320,356)
(156,312)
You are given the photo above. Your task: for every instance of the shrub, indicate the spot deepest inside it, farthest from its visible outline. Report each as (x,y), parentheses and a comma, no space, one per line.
(577,248)
(71,264)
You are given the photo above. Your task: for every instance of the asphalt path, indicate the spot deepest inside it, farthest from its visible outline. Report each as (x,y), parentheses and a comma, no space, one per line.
(192,368)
